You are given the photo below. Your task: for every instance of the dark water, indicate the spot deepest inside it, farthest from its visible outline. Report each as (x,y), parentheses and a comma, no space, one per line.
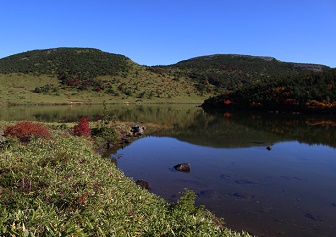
(287,191)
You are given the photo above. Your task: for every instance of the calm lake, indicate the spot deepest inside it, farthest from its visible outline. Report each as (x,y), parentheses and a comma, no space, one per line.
(289,190)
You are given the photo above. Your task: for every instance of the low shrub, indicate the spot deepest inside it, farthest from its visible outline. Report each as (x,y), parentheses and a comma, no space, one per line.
(108,133)
(24,131)
(82,128)
(104,136)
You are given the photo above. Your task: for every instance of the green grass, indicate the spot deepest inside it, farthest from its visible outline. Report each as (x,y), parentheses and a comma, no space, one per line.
(61,187)
(18,88)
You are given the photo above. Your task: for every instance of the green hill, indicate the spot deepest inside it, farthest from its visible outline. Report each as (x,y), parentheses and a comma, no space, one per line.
(86,75)
(84,61)
(229,72)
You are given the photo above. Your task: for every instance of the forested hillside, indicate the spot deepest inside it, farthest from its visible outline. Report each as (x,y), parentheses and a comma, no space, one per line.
(232,71)
(309,91)
(79,61)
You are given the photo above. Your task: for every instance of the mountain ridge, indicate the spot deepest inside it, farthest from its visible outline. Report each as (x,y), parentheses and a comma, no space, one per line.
(76,70)
(266,58)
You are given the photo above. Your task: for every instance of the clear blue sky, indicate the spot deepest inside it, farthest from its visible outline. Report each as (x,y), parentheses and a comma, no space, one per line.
(157,32)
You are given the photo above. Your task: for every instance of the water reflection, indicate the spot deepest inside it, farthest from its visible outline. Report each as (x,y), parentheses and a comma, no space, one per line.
(244,129)
(162,114)
(192,124)
(288,191)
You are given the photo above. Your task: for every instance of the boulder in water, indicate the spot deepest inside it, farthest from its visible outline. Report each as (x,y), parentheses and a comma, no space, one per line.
(183,167)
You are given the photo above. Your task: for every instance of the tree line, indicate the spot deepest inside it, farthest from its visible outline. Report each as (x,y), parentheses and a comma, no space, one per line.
(307,91)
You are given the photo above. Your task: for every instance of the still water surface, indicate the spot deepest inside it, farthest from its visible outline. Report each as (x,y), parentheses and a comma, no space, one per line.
(287,191)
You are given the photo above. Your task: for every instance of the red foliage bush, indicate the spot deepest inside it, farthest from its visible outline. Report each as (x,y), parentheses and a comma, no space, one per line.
(82,128)
(26,130)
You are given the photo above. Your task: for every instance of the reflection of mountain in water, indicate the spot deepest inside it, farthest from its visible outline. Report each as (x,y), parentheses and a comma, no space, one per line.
(215,131)
(303,128)
(242,130)
(160,114)
(191,124)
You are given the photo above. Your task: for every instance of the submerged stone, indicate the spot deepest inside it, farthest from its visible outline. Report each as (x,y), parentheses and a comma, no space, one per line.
(314,218)
(209,193)
(142,183)
(183,167)
(247,181)
(243,195)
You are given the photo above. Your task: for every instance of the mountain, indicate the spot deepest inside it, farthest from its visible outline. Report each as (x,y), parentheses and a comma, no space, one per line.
(86,75)
(88,61)
(229,72)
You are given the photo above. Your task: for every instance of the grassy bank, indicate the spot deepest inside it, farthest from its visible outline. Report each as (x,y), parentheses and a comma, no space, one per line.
(61,187)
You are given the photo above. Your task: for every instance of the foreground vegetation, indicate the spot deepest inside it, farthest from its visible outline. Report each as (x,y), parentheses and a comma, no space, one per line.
(57,185)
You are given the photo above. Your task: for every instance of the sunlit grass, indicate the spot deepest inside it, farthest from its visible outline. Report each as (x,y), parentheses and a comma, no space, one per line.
(61,187)
(139,86)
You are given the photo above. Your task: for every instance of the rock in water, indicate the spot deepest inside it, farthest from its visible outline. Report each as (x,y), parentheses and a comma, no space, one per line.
(183,167)
(137,130)
(142,183)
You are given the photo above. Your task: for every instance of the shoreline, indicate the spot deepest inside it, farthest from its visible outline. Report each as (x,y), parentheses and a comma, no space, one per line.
(98,103)
(89,207)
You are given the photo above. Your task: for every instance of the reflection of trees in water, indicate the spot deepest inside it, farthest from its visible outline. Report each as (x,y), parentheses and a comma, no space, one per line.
(242,129)
(315,129)
(216,131)
(161,114)
(48,117)
(192,124)
(50,113)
